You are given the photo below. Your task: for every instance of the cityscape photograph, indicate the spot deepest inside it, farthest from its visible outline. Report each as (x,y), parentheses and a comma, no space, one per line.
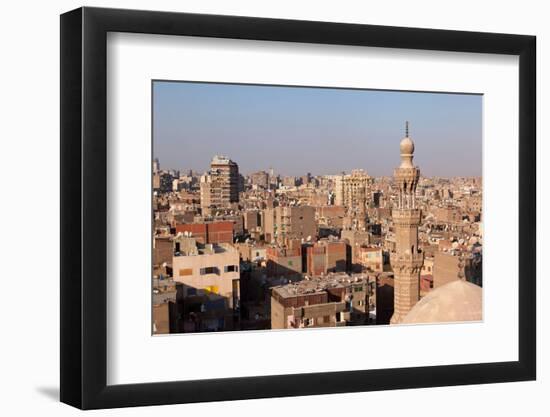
(282,207)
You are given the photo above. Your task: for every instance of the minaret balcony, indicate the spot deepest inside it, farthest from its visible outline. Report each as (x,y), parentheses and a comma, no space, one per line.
(406,216)
(406,174)
(414,259)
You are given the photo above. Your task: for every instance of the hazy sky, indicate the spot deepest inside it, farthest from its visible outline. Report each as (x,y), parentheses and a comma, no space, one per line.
(323,131)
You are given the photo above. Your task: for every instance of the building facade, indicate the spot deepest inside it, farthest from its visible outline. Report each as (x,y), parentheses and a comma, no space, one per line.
(330,301)
(327,256)
(208,232)
(451,265)
(211,269)
(260,179)
(352,190)
(219,188)
(284,262)
(290,223)
(371,258)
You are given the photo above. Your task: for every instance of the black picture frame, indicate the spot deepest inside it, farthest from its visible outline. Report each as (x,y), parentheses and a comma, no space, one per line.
(84,207)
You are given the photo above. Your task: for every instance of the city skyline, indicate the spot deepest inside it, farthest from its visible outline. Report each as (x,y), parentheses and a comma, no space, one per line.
(351,129)
(234,254)
(185,170)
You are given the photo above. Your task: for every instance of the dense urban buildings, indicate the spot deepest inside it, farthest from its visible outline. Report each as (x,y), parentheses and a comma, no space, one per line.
(258,250)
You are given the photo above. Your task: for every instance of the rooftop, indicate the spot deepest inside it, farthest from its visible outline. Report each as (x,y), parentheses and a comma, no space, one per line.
(190,247)
(319,284)
(220,159)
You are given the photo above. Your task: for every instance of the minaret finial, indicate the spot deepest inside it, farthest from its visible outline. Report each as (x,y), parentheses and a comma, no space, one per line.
(407,129)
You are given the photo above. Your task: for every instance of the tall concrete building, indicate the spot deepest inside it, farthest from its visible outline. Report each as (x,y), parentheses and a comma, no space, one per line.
(406,260)
(220,186)
(352,191)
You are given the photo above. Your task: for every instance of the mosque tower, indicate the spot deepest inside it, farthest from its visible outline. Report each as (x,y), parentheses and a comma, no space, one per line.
(407,259)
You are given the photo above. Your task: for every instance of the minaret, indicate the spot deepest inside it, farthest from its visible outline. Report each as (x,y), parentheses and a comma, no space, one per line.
(407,259)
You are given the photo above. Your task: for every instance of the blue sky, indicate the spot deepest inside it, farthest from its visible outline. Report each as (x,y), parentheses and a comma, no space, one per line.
(319,130)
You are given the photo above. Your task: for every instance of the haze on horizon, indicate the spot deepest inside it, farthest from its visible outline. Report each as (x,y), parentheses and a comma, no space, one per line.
(296,130)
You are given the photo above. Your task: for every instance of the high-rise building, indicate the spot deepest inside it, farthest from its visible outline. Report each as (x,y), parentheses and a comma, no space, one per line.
(156,165)
(352,191)
(163,181)
(407,259)
(220,186)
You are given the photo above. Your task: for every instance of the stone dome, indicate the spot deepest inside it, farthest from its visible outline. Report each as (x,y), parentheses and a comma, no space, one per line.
(456,301)
(406,146)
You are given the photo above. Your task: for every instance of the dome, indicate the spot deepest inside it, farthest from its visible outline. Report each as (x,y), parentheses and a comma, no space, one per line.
(406,146)
(453,302)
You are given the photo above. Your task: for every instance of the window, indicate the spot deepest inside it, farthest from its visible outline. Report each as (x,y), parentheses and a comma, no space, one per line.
(185,272)
(209,270)
(231,268)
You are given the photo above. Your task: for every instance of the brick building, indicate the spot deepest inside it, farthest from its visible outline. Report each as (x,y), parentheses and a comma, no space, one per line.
(327,256)
(209,232)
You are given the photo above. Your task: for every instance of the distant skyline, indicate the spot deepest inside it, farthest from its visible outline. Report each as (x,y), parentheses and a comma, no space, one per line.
(296,130)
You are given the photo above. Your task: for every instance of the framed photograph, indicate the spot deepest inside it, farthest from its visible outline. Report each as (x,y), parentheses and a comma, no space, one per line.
(257,208)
